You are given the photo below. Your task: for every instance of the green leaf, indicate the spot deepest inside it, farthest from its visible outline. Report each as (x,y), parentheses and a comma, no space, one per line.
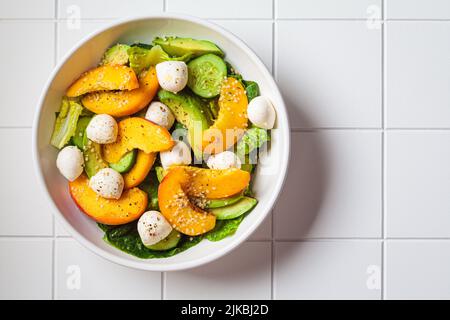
(66,122)
(254,138)
(142,58)
(224,228)
(252,89)
(126,238)
(150,186)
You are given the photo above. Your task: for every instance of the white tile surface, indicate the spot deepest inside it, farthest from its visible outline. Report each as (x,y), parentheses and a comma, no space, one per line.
(23,208)
(418,74)
(23,72)
(418,270)
(330,73)
(256,34)
(68,36)
(242,274)
(418,9)
(83,275)
(88,9)
(327,270)
(418,184)
(223,9)
(21,9)
(264,231)
(325,8)
(25,269)
(333,188)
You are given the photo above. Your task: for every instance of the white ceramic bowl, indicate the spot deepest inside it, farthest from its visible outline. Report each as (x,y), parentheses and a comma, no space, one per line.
(86,54)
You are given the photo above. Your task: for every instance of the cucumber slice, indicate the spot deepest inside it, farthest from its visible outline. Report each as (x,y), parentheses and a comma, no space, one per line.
(171,241)
(218,203)
(205,75)
(235,210)
(125,163)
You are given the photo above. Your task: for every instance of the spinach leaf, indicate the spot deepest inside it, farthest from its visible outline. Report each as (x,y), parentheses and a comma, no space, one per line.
(224,228)
(126,238)
(252,89)
(150,186)
(254,138)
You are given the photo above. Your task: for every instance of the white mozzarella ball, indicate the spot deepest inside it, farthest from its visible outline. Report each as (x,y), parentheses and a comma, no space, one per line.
(172,75)
(261,112)
(70,162)
(102,129)
(107,183)
(160,114)
(224,160)
(180,154)
(153,227)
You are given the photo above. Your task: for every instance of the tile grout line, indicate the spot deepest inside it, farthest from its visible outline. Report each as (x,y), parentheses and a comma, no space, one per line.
(383,153)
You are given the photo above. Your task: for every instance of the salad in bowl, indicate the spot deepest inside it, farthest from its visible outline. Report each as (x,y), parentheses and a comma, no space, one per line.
(159,144)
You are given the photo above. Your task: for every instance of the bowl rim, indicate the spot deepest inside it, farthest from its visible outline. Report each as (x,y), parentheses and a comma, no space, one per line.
(145,264)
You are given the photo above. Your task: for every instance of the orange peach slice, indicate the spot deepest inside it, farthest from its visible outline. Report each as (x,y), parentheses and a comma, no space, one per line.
(129,207)
(124,103)
(140,170)
(137,133)
(104,78)
(174,204)
(231,121)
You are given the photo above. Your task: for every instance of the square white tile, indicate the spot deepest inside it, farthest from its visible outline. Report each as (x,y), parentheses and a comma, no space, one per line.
(81,274)
(100,9)
(256,34)
(242,274)
(330,73)
(417,74)
(223,9)
(327,270)
(333,186)
(59,230)
(326,9)
(24,209)
(418,9)
(27,9)
(418,184)
(417,269)
(23,77)
(25,269)
(264,231)
(70,34)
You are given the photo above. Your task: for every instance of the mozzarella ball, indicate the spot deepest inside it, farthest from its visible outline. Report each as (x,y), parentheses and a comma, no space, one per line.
(224,160)
(102,129)
(153,227)
(180,154)
(172,75)
(160,114)
(70,162)
(107,183)
(261,112)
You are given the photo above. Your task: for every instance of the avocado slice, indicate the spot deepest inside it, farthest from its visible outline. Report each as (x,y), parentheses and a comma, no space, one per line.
(125,163)
(169,242)
(234,210)
(176,46)
(160,173)
(218,203)
(79,138)
(93,161)
(117,54)
(189,111)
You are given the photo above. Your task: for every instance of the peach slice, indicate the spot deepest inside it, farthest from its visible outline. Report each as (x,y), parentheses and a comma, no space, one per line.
(174,204)
(137,133)
(104,78)
(231,121)
(129,207)
(124,103)
(140,170)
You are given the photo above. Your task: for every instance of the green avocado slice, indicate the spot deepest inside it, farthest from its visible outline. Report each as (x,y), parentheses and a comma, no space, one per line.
(176,46)
(235,210)
(218,203)
(125,163)
(169,242)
